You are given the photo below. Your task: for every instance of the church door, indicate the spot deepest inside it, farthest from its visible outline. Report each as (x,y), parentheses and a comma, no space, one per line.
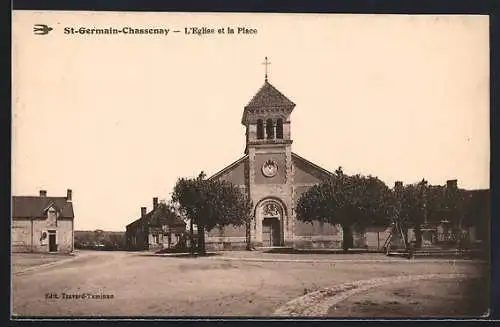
(271,232)
(270,213)
(266,233)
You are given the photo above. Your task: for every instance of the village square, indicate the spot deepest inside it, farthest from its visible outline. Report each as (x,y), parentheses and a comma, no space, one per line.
(246,284)
(271,234)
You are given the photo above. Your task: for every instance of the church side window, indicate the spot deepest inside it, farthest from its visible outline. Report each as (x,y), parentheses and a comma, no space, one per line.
(260,129)
(279,128)
(269,129)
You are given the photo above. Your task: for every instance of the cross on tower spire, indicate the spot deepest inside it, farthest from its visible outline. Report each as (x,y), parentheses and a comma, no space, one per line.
(266,63)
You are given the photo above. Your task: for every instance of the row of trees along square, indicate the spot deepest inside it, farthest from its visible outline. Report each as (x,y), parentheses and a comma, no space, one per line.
(348,200)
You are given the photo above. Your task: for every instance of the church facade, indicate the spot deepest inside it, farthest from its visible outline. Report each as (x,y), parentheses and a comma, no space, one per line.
(274,177)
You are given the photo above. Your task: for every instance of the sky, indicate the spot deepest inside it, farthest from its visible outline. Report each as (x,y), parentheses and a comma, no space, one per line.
(118,118)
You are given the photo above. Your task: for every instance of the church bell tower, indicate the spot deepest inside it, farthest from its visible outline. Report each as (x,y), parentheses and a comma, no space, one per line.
(269,175)
(267,117)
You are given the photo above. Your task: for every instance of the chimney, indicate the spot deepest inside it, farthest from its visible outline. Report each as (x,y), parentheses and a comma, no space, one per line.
(155,202)
(69,195)
(143,211)
(43,193)
(451,184)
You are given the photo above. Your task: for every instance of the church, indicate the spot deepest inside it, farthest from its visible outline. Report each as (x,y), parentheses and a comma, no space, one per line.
(274,177)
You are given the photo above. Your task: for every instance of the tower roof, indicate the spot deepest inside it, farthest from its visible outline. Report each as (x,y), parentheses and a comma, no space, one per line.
(269,98)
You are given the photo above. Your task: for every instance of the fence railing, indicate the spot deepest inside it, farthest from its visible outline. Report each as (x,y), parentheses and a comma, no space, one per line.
(447,237)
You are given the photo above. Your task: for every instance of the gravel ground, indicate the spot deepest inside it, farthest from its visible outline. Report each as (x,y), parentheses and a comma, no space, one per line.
(133,284)
(22,261)
(430,299)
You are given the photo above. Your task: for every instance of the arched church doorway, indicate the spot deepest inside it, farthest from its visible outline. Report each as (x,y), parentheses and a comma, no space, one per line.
(271,214)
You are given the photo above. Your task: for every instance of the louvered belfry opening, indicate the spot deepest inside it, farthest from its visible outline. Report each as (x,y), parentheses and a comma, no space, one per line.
(279,128)
(260,129)
(269,129)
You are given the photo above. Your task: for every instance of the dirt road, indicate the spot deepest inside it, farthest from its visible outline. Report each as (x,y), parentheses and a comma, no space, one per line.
(133,284)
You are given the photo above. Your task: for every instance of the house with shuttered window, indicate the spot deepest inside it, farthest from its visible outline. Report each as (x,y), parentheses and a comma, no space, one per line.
(42,223)
(158,229)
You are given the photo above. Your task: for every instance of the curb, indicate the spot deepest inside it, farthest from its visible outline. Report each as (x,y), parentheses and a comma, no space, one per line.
(387,259)
(179,255)
(402,260)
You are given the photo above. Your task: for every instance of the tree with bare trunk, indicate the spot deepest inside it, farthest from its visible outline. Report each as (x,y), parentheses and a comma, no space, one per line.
(347,200)
(210,203)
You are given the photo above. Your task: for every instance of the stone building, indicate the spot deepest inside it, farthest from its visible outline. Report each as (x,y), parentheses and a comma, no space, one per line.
(478,215)
(42,223)
(158,229)
(443,229)
(472,220)
(274,177)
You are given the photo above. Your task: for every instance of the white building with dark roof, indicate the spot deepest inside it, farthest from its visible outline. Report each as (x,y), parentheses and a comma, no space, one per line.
(42,223)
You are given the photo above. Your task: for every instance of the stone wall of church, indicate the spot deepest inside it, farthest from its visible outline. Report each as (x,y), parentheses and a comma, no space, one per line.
(331,236)
(230,237)
(252,131)
(280,192)
(259,161)
(317,235)
(311,235)
(227,238)
(235,175)
(277,187)
(317,228)
(220,238)
(298,191)
(303,177)
(375,237)
(227,232)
